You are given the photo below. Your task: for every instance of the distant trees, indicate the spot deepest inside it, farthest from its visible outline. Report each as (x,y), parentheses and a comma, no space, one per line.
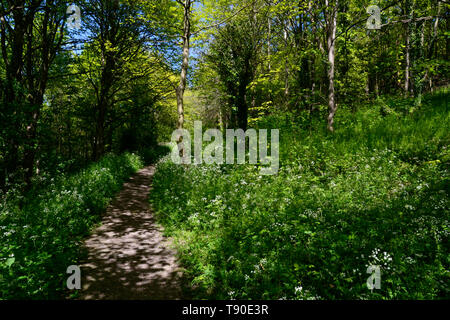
(115,48)
(60,104)
(252,58)
(318,54)
(234,56)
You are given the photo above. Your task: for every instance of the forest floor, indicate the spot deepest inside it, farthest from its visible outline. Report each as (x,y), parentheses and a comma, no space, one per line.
(128,257)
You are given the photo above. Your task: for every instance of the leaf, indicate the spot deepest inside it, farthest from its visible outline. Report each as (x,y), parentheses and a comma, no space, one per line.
(10,261)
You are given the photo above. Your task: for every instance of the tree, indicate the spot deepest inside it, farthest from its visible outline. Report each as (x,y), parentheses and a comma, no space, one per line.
(32,32)
(187,7)
(330,14)
(234,55)
(120,38)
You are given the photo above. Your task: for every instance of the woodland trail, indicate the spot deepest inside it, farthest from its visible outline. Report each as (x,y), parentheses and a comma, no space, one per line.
(128,257)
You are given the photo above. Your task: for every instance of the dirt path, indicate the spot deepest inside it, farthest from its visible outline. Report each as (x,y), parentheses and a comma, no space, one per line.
(128,258)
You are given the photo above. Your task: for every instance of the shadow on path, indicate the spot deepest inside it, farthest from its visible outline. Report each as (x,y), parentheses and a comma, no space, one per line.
(128,257)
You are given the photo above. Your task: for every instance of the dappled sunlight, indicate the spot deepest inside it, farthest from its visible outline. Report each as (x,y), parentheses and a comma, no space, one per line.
(128,257)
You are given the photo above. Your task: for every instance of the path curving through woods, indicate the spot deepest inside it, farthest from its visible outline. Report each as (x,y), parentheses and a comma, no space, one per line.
(128,257)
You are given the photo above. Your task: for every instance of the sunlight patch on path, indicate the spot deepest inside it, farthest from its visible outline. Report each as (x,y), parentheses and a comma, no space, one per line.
(128,257)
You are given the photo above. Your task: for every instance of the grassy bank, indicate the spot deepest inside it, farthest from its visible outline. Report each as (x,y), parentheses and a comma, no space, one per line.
(373,193)
(42,238)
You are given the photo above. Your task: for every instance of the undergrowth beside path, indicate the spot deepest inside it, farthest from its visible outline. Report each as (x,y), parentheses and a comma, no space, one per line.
(373,193)
(42,238)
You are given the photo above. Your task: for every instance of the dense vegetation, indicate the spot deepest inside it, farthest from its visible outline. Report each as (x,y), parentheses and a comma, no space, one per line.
(375,192)
(41,234)
(361,103)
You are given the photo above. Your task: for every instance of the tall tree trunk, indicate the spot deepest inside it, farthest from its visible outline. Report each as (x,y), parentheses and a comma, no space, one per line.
(99,142)
(409,9)
(331,43)
(286,70)
(184,68)
(408,61)
(269,26)
(30,145)
(103,105)
(241,103)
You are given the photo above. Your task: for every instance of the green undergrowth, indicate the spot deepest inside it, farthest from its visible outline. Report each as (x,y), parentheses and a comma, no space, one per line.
(373,193)
(41,233)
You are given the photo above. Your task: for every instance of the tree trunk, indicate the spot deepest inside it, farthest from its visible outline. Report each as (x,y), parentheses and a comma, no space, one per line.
(410,13)
(99,142)
(242,106)
(269,26)
(30,149)
(108,78)
(286,71)
(331,37)
(102,107)
(408,61)
(184,68)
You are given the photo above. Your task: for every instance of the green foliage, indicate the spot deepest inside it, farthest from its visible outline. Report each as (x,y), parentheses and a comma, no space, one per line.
(373,193)
(40,239)
(233,55)
(152,155)
(379,184)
